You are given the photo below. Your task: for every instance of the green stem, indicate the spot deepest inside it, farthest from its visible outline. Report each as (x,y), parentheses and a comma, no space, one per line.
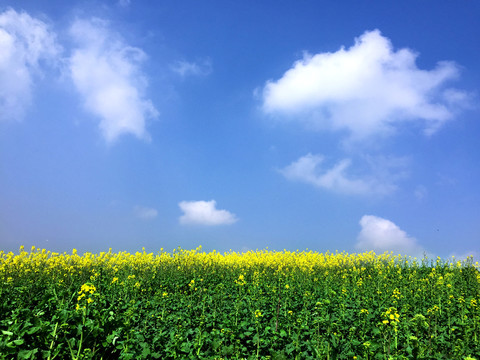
(53,341)
(80,345)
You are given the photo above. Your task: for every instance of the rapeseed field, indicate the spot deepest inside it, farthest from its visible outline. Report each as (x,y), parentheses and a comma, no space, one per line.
(190,304)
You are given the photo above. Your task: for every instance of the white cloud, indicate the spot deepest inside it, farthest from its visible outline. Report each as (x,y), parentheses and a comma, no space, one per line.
(204,213)
(308,169)
(145,213)
(25,43)
(106,72)
(185,68)
(382,235)
(366,89)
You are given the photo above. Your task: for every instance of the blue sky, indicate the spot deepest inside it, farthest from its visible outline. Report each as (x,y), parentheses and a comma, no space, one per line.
(346,125)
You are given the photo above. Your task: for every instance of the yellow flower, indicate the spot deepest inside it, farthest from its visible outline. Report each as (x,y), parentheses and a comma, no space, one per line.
(241,280)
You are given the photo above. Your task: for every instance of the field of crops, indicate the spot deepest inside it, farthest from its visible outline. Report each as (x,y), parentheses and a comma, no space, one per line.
(254,305)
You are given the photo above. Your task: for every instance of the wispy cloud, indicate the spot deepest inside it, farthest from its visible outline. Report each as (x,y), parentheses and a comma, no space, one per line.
(145,213)
(25,42)
(381,181)
(382,235)
(204,213)
(123,3)
(421,192)
(367,89)
(185,68)
(106,72)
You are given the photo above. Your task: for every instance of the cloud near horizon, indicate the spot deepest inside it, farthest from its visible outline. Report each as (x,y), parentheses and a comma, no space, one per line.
(308,169)
(367,89)
(25,42)
(106,72)
(204,213)
(381,235)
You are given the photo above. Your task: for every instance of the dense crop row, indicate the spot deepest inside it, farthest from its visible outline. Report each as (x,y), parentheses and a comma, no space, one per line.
(255,305)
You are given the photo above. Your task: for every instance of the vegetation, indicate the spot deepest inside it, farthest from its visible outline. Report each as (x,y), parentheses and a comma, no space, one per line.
(254,305)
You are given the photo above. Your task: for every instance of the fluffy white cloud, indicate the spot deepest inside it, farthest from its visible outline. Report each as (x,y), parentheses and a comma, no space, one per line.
(25,43)
(185,68)
(366,89)
(382,235)
(204,213)
(106,72)
(308,169)
(145,213)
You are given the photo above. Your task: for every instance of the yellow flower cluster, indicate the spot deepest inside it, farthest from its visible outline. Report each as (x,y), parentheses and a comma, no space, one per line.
(392,317)
(433,310)
(281,261)
(241,280)
(86,290)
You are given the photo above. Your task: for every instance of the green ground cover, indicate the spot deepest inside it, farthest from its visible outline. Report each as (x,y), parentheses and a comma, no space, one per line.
(254,305)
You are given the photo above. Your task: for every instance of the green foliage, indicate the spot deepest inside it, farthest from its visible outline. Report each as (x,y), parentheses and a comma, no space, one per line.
(263,305)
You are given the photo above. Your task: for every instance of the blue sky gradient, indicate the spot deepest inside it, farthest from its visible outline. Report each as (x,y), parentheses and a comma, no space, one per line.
(348,125)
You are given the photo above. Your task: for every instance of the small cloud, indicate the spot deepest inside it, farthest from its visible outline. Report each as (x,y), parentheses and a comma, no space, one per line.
(106,72)
(308,169)
(25,44)
(204,213)
(382,235)
(185,68)
(145,213)
(367,89)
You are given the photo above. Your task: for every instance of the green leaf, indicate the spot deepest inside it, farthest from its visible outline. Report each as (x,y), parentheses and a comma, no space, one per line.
(186,347)
(8,333)
(146,350)
(33,330)
(26,354)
